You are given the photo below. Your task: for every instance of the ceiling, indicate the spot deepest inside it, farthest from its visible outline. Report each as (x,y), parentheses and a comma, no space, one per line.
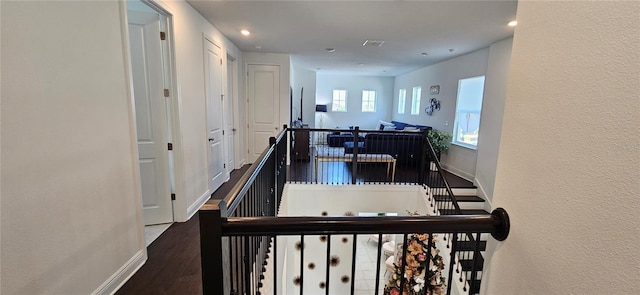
(306,29)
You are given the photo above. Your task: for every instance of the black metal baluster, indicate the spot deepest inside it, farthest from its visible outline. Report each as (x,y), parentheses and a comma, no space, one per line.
(246,267)
(328,264)
(452,263)
(380,241)
(476,261)
(403,262)
(353,262)
(301,264)
(354,161)
(230,245)
(275,265)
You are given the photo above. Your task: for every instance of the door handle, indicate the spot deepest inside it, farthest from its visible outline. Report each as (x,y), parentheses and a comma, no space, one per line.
(211,139)
(234,130)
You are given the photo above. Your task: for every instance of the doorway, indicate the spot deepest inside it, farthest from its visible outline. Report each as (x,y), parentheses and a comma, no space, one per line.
(215,114)
(151,77)
(230,110)
(263,90)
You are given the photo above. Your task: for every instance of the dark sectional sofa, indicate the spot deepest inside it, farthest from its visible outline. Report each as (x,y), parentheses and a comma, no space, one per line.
(338,140)
(402,125)
(406,147)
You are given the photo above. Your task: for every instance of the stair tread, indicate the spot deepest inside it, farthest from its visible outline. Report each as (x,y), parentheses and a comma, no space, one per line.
(475,287)
(459,198)
(464,212)
(467,264)
(470,246)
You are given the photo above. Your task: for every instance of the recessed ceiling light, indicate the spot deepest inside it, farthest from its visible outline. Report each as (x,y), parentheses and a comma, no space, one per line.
(330,50)
(375,43)
(424,54)
(245,32)
(512,23)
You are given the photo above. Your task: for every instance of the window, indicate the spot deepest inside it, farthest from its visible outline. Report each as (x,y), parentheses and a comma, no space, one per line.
(402,95)
(368,101)
(415,100)
(468,108)
(339,101)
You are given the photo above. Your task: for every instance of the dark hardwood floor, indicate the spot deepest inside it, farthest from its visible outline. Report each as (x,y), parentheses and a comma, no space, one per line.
(173,265)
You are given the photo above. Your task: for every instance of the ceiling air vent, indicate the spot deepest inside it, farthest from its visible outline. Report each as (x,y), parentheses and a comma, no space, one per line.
(375,43)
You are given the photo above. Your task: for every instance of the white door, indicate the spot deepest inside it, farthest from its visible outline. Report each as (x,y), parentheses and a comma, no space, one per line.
(215,125)
(151,114)
(264,106)
(230,131)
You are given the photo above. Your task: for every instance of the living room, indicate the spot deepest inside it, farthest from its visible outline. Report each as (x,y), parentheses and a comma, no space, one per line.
(477,164)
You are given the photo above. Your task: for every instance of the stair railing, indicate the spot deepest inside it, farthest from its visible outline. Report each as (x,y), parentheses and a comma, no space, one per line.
(239,233)
(447,202)
(356,156)
(257,194)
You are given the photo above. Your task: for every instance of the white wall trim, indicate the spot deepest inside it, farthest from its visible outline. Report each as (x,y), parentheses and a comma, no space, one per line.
(133,131)
(197,204)
(481,192)
(122,275)
(175,110)
(457,172)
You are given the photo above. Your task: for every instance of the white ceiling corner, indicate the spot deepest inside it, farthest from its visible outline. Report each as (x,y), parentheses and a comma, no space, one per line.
(305,29)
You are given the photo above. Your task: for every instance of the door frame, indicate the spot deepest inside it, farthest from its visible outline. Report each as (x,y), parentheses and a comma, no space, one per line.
(176,157)
(226,170)
(234,107)
(247,110)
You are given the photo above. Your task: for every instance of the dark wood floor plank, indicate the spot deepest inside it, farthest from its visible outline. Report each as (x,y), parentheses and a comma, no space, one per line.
(173,265)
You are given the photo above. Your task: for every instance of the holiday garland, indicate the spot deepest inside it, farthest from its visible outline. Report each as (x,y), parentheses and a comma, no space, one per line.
(423,272)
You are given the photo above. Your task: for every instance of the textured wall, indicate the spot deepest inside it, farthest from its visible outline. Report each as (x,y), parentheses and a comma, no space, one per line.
(460,160)
(70,191)
(354,85)
(192,187)
(492,111)
(568,169)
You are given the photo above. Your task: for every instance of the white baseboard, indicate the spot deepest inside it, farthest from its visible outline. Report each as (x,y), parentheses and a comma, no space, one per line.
(481,192)
(122,275)
(458,172)
(193,209)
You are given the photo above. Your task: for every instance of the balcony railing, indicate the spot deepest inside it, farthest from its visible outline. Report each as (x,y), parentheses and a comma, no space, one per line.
(241,235)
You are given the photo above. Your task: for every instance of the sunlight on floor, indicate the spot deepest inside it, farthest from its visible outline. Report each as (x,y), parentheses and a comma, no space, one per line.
(152,232)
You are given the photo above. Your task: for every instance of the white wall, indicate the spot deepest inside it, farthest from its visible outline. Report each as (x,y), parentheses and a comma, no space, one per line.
(71,205)
(495,88)
(460,160)
(307,79)
(192,188)
(569,155)
(336,200)
(354,85)
(71,214)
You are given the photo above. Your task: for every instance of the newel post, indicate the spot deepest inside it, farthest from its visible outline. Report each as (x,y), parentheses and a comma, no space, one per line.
(215,280)
(424,165)
(354,161)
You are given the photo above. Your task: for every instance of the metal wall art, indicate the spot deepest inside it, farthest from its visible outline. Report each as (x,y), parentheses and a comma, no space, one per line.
(434,105)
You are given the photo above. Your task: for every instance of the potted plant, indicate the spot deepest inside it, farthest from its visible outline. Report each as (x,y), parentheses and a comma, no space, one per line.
(440,141)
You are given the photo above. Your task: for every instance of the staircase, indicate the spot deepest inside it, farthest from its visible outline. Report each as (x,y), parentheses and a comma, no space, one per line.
(470,204)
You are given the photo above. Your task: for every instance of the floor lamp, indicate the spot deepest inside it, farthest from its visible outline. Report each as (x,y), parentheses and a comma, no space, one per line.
(321,108)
